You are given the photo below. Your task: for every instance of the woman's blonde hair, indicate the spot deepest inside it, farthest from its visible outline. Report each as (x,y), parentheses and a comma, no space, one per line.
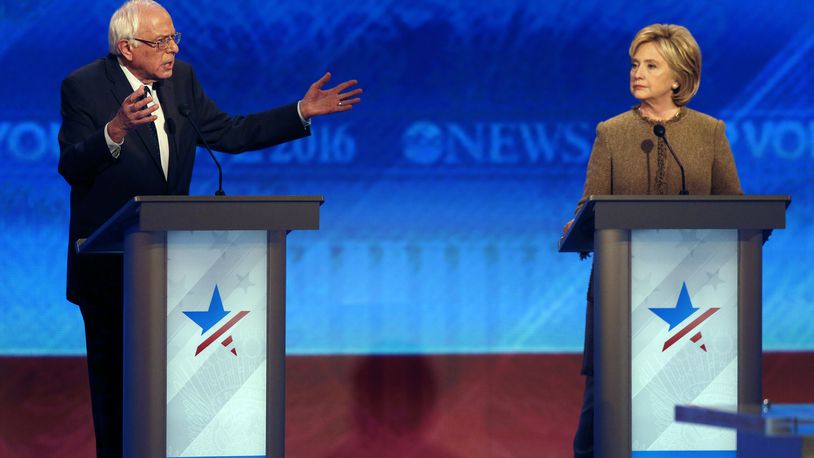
(680,50)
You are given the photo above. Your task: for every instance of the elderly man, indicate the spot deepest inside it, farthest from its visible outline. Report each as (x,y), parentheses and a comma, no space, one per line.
(123,134)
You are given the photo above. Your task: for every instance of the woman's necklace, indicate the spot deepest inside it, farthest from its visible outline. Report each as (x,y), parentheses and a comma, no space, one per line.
(668,118)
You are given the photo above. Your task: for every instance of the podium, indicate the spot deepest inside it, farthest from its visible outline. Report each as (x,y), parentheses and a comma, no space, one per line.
(204,321)
(677,315)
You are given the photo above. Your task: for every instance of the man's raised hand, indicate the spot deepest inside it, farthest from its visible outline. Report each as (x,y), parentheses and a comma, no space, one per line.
(133,113)
(318,102)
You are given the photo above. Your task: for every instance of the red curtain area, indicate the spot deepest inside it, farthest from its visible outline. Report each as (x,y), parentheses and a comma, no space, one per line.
(45,408)
(435,406)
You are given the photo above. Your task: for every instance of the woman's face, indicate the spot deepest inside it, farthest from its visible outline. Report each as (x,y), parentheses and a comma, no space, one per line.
(651,79)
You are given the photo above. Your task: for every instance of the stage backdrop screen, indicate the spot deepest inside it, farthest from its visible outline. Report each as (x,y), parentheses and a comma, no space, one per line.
(447,187)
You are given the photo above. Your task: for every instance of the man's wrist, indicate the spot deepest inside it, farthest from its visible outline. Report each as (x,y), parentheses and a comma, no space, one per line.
(114,146)
(306,121)
(114,134)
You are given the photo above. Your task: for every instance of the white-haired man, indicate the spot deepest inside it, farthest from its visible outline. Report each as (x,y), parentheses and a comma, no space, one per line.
(123,135)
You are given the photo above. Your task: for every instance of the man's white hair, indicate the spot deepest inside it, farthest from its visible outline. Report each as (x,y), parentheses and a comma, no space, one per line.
(124,23)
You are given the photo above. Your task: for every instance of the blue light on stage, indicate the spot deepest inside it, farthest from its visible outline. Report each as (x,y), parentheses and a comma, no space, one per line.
(447,187)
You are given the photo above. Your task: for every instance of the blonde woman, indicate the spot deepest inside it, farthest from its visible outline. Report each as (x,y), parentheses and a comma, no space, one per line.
(629,158)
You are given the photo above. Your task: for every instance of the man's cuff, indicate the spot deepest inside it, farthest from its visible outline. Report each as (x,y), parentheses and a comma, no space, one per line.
(115,148)
(306,123)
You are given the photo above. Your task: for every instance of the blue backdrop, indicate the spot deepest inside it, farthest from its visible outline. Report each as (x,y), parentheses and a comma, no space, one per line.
(447,187)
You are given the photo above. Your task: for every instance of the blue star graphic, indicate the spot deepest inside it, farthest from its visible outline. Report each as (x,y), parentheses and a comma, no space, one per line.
(675,315)
(210,317)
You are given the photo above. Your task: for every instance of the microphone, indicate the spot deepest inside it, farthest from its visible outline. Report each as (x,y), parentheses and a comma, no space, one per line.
(185,112)
(647,146)
(660,132)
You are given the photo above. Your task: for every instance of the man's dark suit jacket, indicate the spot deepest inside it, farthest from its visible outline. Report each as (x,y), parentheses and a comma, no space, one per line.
(101,184)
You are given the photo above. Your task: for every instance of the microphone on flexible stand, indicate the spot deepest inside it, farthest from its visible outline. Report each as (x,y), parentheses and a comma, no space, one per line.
(185,112)
(660,132)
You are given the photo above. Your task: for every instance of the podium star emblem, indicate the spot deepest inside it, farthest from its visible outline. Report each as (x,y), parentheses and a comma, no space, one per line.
(207,319)
(682,310)
(674,316)
(210,317)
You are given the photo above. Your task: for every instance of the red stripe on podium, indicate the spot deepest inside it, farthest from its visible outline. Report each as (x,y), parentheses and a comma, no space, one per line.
(688,328)
(220,331)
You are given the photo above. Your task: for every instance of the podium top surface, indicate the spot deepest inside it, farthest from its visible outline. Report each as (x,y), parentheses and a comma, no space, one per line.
(757,212)
(204,213)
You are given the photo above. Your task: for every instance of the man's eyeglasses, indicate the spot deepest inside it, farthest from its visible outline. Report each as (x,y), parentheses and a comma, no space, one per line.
(163,43)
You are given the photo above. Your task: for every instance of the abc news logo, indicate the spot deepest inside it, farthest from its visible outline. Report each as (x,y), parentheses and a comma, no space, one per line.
(434,144)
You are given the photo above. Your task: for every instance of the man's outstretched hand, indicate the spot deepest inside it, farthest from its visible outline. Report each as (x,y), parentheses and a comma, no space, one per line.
(318,102)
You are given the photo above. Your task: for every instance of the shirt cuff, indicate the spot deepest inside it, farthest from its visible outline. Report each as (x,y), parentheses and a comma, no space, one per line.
(305,122)
(115,148)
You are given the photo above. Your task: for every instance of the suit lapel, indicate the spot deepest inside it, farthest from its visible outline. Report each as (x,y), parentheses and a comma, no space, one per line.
(121,90)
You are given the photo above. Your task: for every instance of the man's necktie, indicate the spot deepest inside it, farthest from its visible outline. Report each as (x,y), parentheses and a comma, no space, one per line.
(152,135)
